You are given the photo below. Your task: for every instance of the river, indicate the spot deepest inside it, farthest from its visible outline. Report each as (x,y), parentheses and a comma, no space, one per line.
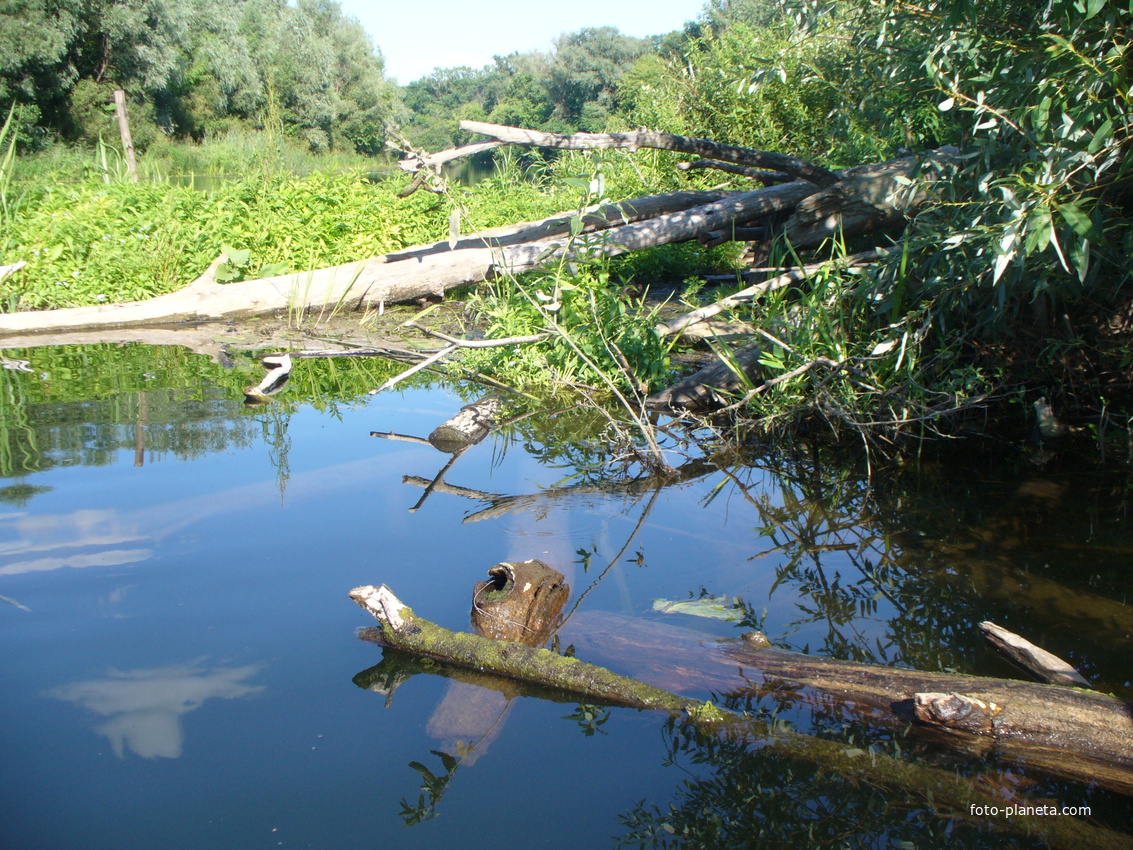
(181,666)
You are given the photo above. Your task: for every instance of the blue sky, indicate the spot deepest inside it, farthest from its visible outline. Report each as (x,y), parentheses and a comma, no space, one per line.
(415,39)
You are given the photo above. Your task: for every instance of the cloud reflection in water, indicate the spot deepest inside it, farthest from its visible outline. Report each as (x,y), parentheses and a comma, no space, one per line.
(144,707)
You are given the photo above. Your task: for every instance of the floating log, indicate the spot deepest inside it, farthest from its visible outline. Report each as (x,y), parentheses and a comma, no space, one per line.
(471,425)
(1081,735)
(1035,661)
(401,629)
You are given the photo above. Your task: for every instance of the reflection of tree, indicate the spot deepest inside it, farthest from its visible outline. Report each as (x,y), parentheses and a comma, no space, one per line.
(898,567)
(85,404)
(736,794)
(144,707)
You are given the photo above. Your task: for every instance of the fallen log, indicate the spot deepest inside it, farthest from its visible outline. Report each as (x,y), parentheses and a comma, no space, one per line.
(711,386)
(798,275)
(404,275)
(868,198)
(793,166)
(400,629)
(1080,735)
(848,202)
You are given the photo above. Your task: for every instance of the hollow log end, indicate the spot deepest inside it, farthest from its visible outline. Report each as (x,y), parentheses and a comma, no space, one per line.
(520,602)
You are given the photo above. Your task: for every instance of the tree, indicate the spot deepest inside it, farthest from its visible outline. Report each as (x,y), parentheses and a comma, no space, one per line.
(583,74)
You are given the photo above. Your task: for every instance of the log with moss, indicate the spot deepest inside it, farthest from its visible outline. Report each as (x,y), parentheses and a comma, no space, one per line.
(401,629)
(482,659)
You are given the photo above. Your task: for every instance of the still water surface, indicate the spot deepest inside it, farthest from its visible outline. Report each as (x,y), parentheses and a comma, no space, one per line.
(179,654)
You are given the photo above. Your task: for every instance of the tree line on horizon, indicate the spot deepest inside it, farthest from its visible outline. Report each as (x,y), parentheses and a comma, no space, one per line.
(199,68)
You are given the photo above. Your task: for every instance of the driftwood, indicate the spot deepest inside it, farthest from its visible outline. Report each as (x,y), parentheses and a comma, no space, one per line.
(400,629)
(471,425)
(1084,736)
(1034,660)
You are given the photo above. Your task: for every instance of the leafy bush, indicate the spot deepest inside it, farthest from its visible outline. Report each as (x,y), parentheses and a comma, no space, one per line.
(93,243)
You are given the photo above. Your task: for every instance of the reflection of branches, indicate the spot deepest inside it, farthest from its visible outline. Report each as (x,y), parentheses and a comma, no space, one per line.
(498,505)
(734,794)
(617,558)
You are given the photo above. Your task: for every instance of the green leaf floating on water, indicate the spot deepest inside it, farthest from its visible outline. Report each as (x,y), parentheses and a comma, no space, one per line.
(713,607)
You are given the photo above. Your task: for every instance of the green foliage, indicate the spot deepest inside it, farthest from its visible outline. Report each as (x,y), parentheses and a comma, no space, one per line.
(90,243)
(583,75)
(1040,208)
(597,329)
(194,67)
(759,81)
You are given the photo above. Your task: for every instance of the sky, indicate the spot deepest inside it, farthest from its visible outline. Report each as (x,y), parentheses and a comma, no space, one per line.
(445,33)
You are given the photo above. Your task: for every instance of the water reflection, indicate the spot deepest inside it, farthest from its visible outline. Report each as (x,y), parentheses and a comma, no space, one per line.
(895,569)
(54,541)
(145,707)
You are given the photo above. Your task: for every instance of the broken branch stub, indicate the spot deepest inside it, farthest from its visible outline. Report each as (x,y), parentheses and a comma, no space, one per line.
(1036,661)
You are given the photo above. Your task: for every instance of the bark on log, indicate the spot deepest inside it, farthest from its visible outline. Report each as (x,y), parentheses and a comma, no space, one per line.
(752,292)
(767,177)
(400,628)
(797,168)
(521,602)
(471,425)
(406,275)
(1080,735)
(867,198)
